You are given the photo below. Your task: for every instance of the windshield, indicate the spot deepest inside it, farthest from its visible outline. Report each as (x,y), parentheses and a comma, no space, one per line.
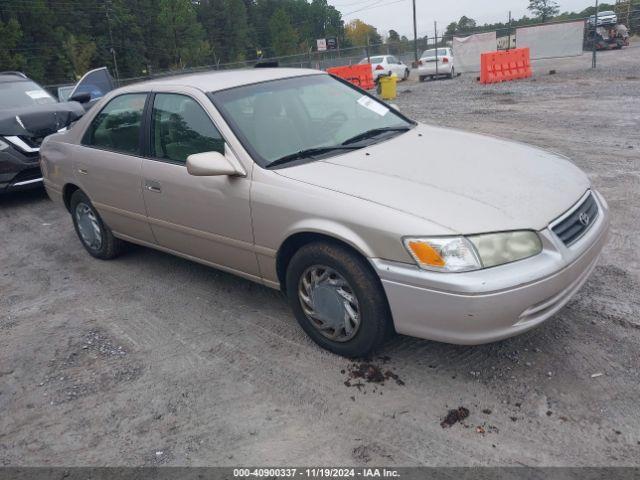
(442,52)
(23,93)
(280,118)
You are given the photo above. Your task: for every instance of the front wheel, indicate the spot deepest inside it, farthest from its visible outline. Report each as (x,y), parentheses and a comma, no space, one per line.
(338,300)
(95,236)
(406,74)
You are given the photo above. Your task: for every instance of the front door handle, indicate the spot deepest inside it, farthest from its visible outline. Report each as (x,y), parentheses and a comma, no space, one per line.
(153,186)
(83,171)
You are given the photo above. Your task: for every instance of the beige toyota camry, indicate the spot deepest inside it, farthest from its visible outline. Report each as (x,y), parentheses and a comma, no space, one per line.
(370,222)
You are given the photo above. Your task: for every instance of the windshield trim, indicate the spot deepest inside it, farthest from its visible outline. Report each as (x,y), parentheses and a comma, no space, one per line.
(255,156)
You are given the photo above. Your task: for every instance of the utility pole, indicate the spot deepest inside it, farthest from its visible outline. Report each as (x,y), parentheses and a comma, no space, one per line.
(435,43)
(368,56)
(415,35)
(509,39)
(595,35)
(113,50)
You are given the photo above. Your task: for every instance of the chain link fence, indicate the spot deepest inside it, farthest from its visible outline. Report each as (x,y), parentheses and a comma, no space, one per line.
(406,51)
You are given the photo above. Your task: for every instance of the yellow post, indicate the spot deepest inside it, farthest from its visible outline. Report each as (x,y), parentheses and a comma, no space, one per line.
(388,90)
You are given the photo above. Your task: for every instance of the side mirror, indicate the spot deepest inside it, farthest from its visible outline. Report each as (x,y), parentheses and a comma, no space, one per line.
(211,164)
(84,97)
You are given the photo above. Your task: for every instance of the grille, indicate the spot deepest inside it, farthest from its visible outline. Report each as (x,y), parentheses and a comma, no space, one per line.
(575,225)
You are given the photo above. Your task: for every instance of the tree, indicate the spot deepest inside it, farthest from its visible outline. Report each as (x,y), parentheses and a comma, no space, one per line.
(54,41)
(10,36)
(452,28)
(184,37)
(80,52)
(284,38)
(226,27)
(466,24)
(357,32)
(544,9)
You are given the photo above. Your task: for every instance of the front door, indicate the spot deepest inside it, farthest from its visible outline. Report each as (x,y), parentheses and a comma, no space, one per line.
(203,217)
(108,166)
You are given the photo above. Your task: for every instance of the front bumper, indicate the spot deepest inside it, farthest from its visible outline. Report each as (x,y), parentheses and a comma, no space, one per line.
(18,170)
(495,303)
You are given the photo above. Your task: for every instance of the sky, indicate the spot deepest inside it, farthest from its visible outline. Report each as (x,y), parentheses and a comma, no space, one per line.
(398,14)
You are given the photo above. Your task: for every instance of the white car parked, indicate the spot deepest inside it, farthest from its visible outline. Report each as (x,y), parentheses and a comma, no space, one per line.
(607,17)
(432,65)
(387,65)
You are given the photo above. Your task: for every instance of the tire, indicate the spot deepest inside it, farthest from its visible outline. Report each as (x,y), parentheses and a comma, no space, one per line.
(422,78)
(452,74)
(362,284)
(406,74)
(104,245)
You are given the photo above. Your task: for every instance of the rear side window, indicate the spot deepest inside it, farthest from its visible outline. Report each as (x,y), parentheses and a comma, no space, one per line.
(180,127)
(117,126)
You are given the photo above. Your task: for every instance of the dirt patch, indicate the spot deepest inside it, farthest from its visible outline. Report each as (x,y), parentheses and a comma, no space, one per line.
(454,416)
(93,364)
(370,373)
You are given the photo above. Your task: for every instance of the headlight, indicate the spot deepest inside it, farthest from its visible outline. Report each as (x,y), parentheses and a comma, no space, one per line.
(500,248)
(463,254)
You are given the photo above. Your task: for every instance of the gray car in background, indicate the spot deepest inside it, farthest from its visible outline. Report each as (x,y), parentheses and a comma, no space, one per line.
(368,220)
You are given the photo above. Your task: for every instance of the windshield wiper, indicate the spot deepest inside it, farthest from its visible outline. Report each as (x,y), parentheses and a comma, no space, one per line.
(374,132)
(309,152)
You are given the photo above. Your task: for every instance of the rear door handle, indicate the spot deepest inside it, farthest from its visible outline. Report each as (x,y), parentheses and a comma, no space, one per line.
(153,186)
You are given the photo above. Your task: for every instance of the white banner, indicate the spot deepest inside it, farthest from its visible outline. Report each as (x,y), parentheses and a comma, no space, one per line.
(552,40)
(467,50)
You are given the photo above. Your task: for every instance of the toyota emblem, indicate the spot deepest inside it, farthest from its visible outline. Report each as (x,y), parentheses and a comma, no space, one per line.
(584,218)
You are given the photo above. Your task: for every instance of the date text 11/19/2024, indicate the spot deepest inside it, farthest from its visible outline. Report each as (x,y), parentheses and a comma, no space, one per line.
(321,472)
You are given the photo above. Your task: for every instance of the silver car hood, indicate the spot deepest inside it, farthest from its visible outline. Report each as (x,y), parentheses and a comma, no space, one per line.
(465,182)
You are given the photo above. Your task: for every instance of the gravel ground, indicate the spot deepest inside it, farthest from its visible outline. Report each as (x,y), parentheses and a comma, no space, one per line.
(153,360)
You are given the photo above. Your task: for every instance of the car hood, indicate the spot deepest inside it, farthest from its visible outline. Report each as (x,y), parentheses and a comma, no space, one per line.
(39,120)
(464,182)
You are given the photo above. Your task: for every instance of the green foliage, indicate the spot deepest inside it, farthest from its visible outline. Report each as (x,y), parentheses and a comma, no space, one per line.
(183,36)
(358,32)
(544,9)
(284,38)
(80,53)
(56,41)
(10,36)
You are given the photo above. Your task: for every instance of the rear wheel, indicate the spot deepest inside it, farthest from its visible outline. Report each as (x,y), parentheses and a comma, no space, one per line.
(338,300)
(406,74)
(452,73)
(95,236)
(422,78)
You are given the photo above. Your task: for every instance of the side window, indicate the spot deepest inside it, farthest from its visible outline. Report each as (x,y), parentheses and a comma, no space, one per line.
(117,126)
(180,127)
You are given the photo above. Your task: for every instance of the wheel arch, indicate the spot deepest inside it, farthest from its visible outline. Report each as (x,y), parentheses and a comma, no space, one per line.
(67,191)
(297,240)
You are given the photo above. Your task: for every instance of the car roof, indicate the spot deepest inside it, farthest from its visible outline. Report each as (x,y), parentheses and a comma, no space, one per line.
(13,77)
(222,80)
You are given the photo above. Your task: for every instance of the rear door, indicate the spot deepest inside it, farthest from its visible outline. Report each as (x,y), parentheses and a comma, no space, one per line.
(203,217)
(108,165)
